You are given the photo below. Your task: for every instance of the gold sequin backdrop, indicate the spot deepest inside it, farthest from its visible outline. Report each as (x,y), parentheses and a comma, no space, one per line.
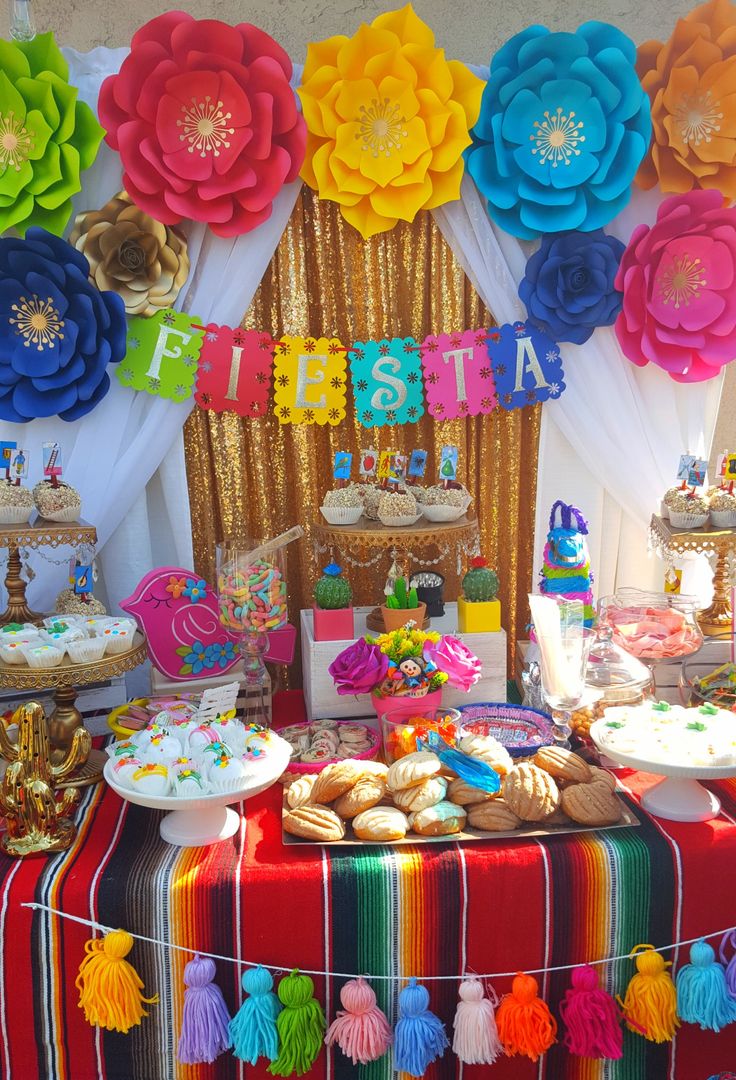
(257,477)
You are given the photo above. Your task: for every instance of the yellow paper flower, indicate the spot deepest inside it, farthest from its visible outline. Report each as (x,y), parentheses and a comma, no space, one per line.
(387,120)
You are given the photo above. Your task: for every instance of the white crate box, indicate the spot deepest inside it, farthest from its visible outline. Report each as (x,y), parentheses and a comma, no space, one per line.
(322,700)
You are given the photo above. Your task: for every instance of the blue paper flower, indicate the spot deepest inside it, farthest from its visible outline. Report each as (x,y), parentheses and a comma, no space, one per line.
(568,284)
(220,653)
(198,658)
(58,332)
(195,590)
(563,125)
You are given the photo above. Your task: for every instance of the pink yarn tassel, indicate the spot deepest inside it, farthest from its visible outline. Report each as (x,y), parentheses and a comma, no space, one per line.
(476,1040)
(591,1017)
(362,1031)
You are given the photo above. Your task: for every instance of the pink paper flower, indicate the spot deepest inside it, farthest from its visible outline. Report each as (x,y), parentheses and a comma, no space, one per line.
(455,659)
(205,121)
(679,288)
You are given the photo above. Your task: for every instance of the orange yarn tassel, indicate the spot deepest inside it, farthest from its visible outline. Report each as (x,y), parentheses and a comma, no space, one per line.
(109,987)
(650,1005)
(525,1024)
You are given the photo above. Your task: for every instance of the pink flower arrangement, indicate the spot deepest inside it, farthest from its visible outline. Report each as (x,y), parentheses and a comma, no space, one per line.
(205,121)
(678,281)
(454,658)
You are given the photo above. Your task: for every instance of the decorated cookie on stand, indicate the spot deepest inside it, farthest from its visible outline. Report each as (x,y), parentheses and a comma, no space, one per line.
(118,750)
(189,782)
(164,746)
(203,737)
(152,778)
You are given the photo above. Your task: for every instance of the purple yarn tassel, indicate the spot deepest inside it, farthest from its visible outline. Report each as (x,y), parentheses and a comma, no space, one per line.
(205,1022)
(730,965)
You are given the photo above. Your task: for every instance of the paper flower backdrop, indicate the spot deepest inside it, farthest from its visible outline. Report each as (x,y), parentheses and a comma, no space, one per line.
(58,332)
(691,82)
(47,137)
(144,262)
(388,121)
(679,304)
(563,126)
(568,285)
(205,122)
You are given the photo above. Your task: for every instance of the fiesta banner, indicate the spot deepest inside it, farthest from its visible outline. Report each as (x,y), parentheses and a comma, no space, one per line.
(393,380)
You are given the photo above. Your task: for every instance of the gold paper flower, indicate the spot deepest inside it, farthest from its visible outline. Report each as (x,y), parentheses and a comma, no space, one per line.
(387,120)
(143,261)
(691,83)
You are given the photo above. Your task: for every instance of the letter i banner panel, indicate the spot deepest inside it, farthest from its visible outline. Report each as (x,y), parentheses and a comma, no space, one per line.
(387,381)
(235,368)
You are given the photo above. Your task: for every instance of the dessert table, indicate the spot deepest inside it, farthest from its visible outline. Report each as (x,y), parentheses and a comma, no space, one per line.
(491,906)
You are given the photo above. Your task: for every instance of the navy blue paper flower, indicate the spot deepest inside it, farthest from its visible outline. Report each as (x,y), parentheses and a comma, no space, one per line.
(563,126)
(568,284)
(58,332)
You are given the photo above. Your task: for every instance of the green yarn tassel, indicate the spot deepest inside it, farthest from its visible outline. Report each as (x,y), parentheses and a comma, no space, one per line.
(301,1026)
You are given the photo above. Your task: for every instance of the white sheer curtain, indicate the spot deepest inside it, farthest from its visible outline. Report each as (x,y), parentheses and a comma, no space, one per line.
(112,454)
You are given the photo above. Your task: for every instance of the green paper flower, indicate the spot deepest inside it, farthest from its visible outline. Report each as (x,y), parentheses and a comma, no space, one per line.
(47,136)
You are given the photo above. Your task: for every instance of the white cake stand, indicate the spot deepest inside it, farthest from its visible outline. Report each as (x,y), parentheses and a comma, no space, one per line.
(206,819)
(678,796)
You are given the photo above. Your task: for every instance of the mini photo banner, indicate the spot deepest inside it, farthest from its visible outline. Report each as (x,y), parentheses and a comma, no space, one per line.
(234,373)
(309,377)
(527,366)
(387,381)
(162,354)
(458,378)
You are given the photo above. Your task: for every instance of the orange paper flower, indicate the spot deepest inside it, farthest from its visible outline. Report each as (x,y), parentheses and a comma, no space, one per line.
(387,120)
(691,83)
(176,586)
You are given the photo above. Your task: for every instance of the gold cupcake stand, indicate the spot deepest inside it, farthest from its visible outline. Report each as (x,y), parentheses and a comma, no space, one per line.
(667,540)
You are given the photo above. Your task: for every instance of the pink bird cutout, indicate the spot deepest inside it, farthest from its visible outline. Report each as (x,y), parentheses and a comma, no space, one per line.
(177,610)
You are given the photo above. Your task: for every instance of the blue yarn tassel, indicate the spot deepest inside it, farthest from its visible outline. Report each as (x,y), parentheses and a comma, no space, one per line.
(702,991)
(420,1035)
(253,1028)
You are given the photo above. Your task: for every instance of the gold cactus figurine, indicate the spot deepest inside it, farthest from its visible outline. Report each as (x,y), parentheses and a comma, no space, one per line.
(35,816)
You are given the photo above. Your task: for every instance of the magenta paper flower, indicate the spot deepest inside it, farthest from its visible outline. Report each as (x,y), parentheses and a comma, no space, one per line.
(205,121)
(452,656)
(359,669)
(679,288)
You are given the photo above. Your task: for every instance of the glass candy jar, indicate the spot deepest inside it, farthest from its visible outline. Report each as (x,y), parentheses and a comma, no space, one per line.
(612,677)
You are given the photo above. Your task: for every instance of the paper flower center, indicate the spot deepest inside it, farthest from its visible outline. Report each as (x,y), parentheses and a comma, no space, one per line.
(16,142)
(381,127)
(696,117)
(205,127)
(681,281)
(37,321)
(132,256)
(556,137)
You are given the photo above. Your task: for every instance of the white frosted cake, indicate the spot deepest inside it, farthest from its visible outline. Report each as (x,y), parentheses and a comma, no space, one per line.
(670,734)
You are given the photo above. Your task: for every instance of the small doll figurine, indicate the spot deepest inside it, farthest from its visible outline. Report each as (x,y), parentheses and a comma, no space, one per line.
(412,671)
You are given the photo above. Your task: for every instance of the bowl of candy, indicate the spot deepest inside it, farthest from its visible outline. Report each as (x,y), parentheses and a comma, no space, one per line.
(654,627)
(521,730)
(401,732)
(707,679)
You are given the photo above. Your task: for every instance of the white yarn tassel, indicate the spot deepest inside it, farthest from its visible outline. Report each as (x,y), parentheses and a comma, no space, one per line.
(476,1040)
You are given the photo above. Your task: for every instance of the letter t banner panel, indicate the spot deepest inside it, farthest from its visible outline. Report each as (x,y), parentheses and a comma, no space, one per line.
(387,381)
(458,380)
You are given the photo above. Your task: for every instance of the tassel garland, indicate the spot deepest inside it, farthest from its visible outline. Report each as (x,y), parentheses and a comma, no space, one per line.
(109,987)
(591,1017)
(420,1036)
(650,1005)
(205,1020)
(361,1031)
(525,1024)
(301,1026)
(702,991)
(253,1028)
(476,1040)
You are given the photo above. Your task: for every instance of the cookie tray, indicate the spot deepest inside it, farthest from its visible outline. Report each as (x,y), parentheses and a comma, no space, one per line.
(530,832)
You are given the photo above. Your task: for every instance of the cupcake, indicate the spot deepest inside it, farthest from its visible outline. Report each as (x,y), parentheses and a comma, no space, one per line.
(68,603)
(190,782)
(60,503)
(202,737)
(61,633)
(664,506)
(396,508)
(127,748)
(687,510)
(118,639)
(87,651)
(445,503)
(723,509)
(164,746)
(124,768)
(40,655)
(151,779)
(16,504)
(227,773)
(19,633)
(11,652)
(343,506)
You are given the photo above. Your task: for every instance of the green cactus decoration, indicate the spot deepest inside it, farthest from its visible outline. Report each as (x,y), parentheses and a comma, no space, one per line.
(333,591)
(401,597)
(480,583)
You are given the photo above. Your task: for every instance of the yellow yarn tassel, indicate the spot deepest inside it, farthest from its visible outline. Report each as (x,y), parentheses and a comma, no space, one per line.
(109,987)
(650,1005)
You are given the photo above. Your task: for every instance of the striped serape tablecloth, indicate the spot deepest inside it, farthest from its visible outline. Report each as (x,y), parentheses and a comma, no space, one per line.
(438,910)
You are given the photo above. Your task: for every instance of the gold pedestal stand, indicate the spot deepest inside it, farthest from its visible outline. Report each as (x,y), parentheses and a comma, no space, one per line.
(66,718)
(36,533)
(666,539)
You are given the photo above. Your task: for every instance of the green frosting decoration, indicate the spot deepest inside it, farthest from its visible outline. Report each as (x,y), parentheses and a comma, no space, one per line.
(661,706)
(47,136)
(697,725)
(708,709)
(615,724)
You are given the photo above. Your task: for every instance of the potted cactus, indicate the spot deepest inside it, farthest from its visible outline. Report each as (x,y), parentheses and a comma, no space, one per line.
(333,606)
(478,610)
(402,605)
